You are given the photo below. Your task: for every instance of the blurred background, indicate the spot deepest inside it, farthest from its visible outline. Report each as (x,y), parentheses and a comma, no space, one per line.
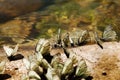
(25,20)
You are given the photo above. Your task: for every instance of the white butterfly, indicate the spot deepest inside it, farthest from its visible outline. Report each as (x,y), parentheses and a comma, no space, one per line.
(81,68)
(39,44)
(2,67)
(35,67)
(42,46)
(45,64)
(51,74)
(34,75)
(109,34)
(39,56)
(68,67)
(9,51)
(26,63)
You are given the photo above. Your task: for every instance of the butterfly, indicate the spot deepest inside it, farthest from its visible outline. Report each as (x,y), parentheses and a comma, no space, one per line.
(68,67)
(27,63)
(33,68)
(98,41)
(42,46)
(11,53)
(109,34)
(81,68)
(52,74)
(2,67)
(34,75)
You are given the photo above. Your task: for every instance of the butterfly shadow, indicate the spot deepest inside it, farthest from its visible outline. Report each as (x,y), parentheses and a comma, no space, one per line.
(4,76)
(16,57)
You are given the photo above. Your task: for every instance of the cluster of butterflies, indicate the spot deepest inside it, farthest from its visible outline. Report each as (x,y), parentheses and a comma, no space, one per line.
(81,37)
(43,65)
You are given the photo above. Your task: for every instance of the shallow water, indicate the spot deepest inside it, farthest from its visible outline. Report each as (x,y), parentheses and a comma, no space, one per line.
(69,15)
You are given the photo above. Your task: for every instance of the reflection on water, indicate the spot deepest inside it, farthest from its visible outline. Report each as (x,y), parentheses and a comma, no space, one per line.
(85,14)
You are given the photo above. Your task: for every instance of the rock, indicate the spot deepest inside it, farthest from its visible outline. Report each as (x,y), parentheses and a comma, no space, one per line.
(13,8)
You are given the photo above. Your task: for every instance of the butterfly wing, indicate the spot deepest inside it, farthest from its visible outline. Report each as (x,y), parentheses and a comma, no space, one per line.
(34,75)
(2,67)
(51,74)
(83,36)
(39,44)
(26,63)
(15,49)
(68,67)
(98,41)
(8,50)
(109,34)
(81,68)
(59,36)
(39,56)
